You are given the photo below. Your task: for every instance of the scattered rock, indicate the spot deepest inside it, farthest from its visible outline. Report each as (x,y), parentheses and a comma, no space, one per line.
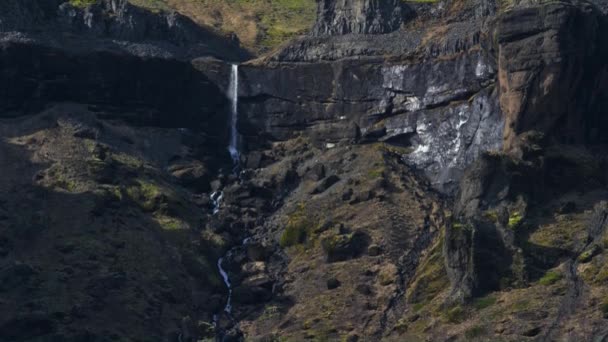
(347,195)
(333,283)
(374,250)
(325,184)
(531,332)
(316,173)
(258,251)
(340,247)
(388,274)
(364,289)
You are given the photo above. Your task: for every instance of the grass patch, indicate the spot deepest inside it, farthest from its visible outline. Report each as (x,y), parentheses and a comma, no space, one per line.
(145,194)
(515,220)
(455,314)
(550,278)
(82,3)
(298,226)
(484,302)
(474,332)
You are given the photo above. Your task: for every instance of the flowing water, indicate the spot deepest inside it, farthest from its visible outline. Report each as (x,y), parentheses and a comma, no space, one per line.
(216,197)
(234,98)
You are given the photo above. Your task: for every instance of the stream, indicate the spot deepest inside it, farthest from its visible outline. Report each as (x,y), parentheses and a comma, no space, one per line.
(216,197)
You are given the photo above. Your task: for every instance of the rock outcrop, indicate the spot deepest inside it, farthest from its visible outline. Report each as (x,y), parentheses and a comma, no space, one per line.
(359,17)
(410,171)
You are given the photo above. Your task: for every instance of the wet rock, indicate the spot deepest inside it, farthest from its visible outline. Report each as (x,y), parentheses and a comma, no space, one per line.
(251,295)
(258,251)
(258,281)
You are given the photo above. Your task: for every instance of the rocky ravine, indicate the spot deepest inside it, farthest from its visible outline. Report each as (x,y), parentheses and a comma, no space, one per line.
(409,171)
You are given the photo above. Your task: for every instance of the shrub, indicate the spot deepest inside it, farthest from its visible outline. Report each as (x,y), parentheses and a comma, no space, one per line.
(296,229)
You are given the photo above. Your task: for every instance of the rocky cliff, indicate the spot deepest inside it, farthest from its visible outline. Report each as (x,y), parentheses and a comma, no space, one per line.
(408,171)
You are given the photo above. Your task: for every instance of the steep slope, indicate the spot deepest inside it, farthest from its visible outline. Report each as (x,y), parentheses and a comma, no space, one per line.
(507,97)
(260,25)
(409,171)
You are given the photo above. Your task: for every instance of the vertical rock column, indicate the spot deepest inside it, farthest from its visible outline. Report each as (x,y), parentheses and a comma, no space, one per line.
(339,17)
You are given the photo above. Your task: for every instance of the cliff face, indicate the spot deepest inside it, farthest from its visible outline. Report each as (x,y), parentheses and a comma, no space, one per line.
(359,17)
(408,171)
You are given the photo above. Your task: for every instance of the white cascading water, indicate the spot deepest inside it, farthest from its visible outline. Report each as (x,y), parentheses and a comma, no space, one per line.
(216,197)
(228,307)
(234,98)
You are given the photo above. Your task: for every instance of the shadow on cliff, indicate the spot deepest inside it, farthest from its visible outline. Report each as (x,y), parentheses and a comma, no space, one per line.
(84,266)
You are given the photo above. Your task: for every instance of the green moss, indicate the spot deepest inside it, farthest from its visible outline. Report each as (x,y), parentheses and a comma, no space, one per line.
(61,177)
(455,314)
(484,302)
(171,223)
(550,278)
(152,5)
(145,194)
(587,255)
(461,226)
(431,277)
(375,173)
(515,219)
(82,3)
(128,161)
(298,227)
(491,215)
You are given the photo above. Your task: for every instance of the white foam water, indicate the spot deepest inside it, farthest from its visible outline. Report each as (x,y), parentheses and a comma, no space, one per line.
(224,274)
(233,147)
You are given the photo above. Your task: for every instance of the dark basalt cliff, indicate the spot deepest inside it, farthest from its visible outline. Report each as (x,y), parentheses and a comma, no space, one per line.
(362,17)
(408,171)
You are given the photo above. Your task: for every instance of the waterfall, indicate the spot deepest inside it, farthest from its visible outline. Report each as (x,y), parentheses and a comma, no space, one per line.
(224,274)
(234,98)
(216,197)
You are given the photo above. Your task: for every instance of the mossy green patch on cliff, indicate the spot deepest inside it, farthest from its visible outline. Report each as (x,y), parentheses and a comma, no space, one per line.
(431,277)
(515,219)
(153,5)
(82,3)
(550,278)
(145,194)
(299,225)
(484,302)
